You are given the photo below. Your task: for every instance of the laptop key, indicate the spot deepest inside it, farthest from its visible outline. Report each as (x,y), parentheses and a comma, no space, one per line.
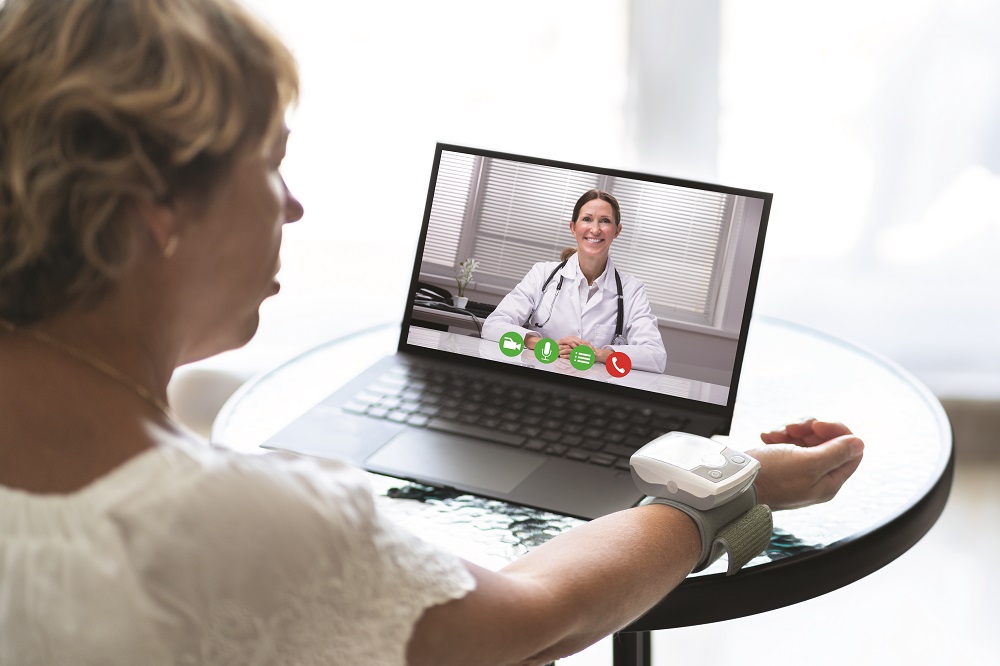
(488,434)
(556,449)
(418,420)
(429,410)
(367,398)
(535,445)
(602,459)
(377,412)
(618,450)
(592,444)
(354,407)
(397,416)
(622,463)
(571,440)
(578,454)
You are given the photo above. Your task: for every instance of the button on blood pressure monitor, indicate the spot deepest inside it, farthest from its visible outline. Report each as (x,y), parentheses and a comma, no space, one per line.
(715,474)
(739,460)
(714,460)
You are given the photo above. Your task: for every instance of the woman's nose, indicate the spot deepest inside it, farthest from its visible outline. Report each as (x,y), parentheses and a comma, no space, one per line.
(293,207)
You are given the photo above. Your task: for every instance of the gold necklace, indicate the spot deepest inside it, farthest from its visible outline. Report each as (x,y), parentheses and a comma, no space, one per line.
(96,363)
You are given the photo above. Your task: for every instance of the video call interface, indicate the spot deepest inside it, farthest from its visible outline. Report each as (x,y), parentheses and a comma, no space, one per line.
(619,278)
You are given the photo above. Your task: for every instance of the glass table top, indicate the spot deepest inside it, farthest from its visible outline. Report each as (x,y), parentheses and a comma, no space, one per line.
(789,373)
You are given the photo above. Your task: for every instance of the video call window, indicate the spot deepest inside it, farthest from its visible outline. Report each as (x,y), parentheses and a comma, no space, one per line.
(673,238)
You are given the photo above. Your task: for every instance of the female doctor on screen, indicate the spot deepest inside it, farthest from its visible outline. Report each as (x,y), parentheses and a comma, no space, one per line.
(584,300)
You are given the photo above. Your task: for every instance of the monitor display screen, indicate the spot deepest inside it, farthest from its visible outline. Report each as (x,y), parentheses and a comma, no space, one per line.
(635,280)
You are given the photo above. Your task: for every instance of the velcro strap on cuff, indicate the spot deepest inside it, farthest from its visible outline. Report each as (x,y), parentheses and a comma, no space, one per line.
(744,539)
(740,527)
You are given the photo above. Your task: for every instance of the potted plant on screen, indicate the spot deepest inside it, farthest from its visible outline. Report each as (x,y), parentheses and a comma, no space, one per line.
(463,277)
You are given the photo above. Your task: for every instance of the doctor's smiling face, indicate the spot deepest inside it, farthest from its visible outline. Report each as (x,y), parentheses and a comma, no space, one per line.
(595,228)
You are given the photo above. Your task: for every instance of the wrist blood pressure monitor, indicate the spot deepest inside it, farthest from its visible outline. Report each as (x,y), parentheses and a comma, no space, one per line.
(713,484)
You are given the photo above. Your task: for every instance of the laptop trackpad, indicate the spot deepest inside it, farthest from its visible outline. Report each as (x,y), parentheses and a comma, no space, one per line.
(454,461)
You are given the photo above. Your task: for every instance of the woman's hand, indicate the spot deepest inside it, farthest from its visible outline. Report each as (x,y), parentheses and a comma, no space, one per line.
(567,343)
(805,463)
(566,346)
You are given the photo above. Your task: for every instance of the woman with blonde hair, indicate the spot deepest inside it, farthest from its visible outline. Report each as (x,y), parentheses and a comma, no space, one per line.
(141,210)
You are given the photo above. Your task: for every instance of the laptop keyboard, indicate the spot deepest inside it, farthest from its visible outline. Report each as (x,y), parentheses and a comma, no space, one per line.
(552,421)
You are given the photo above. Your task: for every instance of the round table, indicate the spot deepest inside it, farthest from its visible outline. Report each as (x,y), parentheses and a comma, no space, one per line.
(789,372)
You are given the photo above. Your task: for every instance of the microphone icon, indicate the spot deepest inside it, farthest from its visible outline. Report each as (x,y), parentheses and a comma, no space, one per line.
(547,350)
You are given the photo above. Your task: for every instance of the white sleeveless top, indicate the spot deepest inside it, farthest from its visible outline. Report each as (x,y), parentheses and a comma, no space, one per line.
(195,555)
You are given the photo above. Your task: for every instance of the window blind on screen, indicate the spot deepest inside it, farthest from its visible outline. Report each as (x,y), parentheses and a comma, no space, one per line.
(451,198)
(671,237)
(672,240)
(524,216)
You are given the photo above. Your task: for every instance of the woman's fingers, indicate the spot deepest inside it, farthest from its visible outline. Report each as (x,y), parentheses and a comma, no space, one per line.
(807,432)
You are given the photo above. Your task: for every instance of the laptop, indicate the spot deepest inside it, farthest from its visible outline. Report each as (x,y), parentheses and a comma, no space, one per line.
(465,403)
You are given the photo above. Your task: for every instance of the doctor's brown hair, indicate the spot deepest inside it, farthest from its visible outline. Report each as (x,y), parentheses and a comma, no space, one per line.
(107,102)
(595,193)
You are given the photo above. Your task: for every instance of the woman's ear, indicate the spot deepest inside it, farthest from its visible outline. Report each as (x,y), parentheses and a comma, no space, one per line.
(618,230)
(572,226)
(161,222)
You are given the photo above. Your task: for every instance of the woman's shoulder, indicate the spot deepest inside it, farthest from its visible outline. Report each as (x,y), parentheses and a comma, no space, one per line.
(629,281)
(292,545)
(203,482)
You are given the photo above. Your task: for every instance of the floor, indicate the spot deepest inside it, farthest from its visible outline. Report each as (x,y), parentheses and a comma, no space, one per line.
(937,604)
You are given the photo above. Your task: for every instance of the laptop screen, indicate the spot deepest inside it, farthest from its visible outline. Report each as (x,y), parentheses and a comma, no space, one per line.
(641,282)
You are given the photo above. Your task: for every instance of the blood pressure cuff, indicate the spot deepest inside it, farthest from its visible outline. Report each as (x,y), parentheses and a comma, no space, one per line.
(740,527)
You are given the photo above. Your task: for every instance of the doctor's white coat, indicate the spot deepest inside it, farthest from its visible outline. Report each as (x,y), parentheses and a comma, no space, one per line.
(573,314)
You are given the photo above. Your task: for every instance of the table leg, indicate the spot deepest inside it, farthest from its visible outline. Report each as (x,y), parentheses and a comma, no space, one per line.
(631,648)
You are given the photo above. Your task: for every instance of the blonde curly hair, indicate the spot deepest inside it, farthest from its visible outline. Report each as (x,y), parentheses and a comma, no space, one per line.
(105,102)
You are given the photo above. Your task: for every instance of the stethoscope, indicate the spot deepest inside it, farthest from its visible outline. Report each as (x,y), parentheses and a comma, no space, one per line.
(619,339)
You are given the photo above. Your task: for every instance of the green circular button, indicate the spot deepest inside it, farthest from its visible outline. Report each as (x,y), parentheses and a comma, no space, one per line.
(582,357)
(547,350)
(511,343)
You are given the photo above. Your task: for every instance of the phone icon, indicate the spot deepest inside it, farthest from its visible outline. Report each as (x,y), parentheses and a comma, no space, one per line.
(618,364)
